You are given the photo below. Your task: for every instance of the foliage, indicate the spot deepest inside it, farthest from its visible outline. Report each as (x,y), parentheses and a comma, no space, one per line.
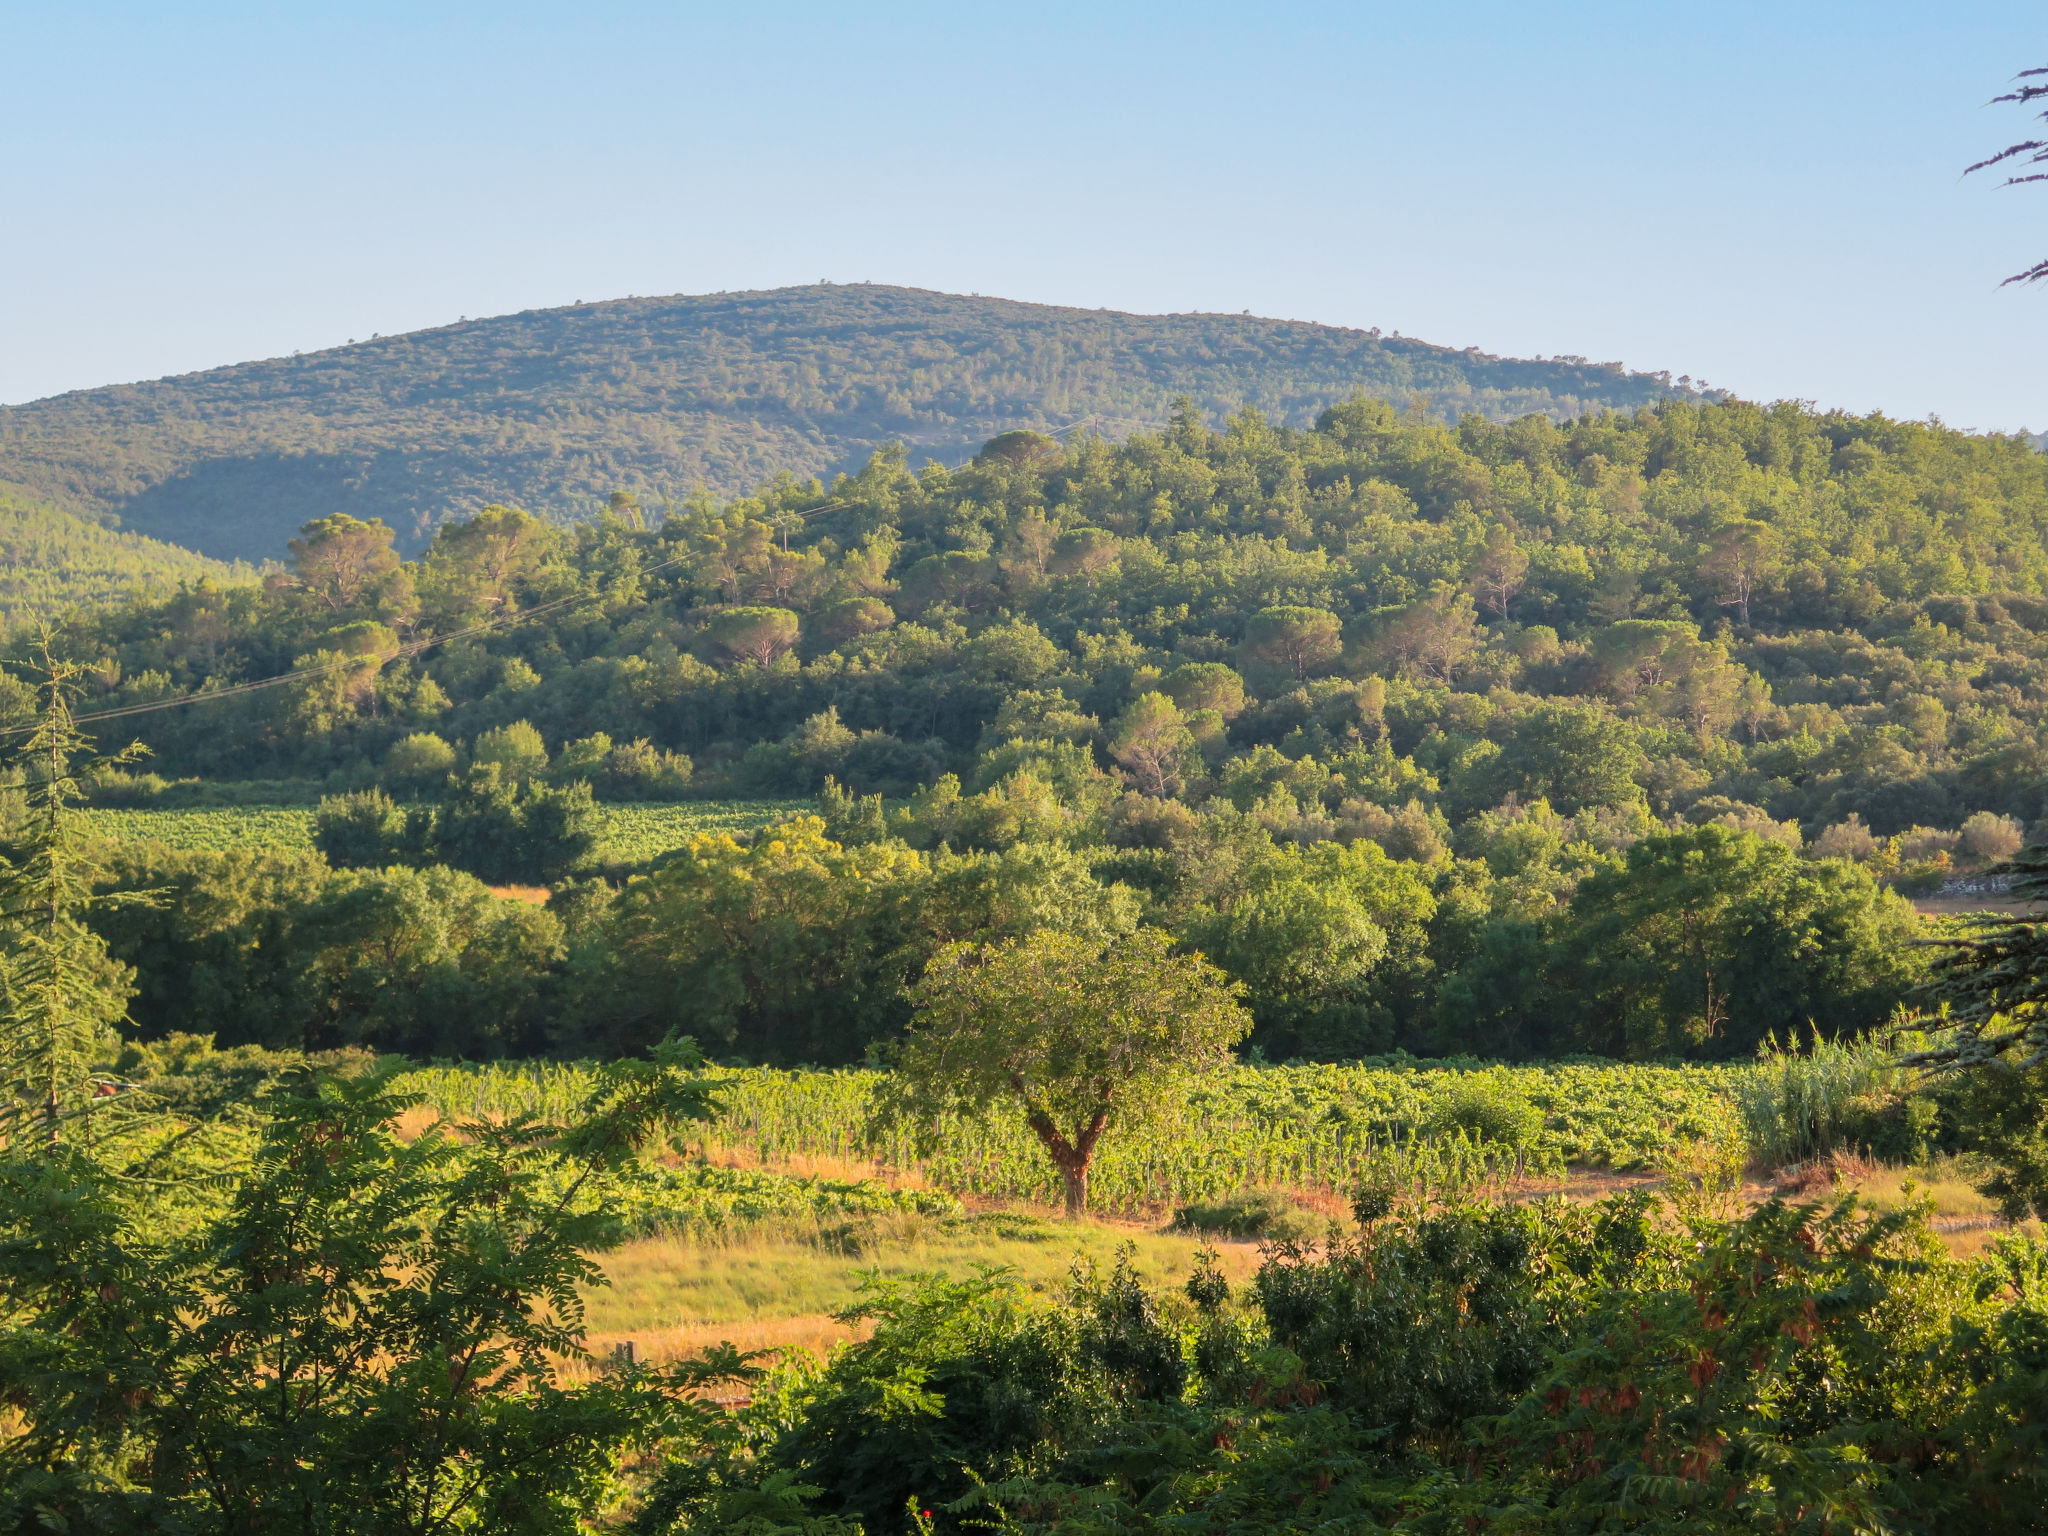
(1552,642)
(275,950)
(1079,1037)
(1631,1365)
(956,1375)
(491,822)
(633,834)
(1799,1104)
(52,561)
(792,937)
(61,993)
(1991,978)
(1706,940)
(364,1340)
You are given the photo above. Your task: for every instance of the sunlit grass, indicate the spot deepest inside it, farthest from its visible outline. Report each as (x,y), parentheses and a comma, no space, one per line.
(777,1287)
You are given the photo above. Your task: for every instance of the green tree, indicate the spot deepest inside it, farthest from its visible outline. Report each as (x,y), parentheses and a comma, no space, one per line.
(517,750)
(1502,569)
(1152,740)
(475,568)
(418,761)
(1709,939)
(1295,641)
(755,634)
(788,948)
(1076,1036)
(506,832)
(367,1341)
(1574,755)
(422,961)
(1200,685)
(343,565)
(1304,951)
(1990,978)
(61,993)
(1739,556)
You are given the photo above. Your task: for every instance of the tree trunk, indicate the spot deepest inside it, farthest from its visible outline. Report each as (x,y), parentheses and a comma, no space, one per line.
(1075,1177)
(1070,1157)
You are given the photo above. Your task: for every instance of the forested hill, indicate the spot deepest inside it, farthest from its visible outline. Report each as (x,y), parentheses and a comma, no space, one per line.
(51,561)
(555,409)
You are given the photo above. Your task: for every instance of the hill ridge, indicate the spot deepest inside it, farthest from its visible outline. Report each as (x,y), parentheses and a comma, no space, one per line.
(553,408)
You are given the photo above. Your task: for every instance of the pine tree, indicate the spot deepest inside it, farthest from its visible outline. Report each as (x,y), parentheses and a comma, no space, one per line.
(1994,979)
(61,992)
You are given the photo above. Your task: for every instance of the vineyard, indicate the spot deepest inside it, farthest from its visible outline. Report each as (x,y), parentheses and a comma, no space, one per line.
(633,832)
(1309,1128)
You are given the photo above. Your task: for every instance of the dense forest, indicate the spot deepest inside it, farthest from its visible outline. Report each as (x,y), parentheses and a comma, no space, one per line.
(555,409)
(1615,735)
(51,561)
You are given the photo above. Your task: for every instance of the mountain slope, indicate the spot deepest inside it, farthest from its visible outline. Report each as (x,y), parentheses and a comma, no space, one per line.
(554,409)
(51,561)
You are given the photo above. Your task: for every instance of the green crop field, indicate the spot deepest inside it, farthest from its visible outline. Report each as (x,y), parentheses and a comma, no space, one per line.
(1323,1128)
(633,831)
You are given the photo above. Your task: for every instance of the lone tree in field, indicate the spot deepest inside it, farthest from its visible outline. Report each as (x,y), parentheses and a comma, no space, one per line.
(1078,1035)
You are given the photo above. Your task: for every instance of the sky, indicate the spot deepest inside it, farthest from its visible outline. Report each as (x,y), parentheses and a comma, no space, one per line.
(1764,196)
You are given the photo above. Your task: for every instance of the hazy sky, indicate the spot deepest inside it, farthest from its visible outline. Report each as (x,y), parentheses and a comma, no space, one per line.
(1762,195)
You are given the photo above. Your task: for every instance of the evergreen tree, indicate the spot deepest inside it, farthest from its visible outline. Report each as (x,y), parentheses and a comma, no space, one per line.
(1994,979)
(61,993)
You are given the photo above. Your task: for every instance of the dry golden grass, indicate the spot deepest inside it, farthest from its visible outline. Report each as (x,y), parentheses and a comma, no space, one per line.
(533,895)
(672,1295)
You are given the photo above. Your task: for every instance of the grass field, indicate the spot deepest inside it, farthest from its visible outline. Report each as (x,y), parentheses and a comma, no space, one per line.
(778,1287)
(633,830)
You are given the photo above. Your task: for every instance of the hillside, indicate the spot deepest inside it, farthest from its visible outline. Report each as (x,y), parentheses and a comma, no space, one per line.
(1506,658)
(554,409)
(51,561)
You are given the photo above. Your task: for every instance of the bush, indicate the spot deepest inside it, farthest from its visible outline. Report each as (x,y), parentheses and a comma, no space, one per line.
(1486,1109)
(1896,1127)
(366,830)
(1991,837)
(1922,877)
(1253,1215)
(488,825)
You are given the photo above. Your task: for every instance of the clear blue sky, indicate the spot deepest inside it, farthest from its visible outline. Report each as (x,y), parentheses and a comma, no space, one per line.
(1762,195)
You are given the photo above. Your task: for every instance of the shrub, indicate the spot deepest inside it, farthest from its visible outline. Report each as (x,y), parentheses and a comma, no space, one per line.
(1252,1215)
(1991,837)
(1486,1109)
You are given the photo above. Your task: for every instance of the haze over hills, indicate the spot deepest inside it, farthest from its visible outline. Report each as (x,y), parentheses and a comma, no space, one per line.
(554,409)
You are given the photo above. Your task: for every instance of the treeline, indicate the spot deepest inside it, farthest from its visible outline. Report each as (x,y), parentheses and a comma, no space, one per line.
(795,946)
